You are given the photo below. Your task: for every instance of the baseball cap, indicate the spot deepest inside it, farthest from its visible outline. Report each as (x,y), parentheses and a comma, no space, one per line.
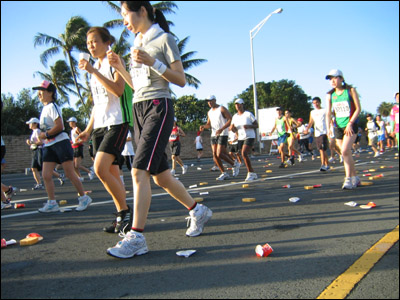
(72,119)
(211,97)
(300,120)
(45,86)
(239,101)
(334,73)
(33,120)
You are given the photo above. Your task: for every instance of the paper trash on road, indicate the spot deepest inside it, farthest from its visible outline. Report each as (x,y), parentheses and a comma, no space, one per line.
(294,199)
(351,203)
(185,253)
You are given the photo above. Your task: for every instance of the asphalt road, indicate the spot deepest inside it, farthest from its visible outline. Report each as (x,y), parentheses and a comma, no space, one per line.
(314,240)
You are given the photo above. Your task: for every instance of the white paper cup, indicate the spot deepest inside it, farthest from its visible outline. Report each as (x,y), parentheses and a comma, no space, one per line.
(135,64)
(85,56)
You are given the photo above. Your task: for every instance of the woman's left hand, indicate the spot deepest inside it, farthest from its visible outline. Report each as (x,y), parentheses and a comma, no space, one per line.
(349,129)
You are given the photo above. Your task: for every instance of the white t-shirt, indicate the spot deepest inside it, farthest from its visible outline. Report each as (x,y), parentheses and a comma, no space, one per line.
(301,129)
(107,106)
(217,121)
(35,137)
(199,142)
(318,116)
(128,148)
(246,118)
(372,129)
(50,113)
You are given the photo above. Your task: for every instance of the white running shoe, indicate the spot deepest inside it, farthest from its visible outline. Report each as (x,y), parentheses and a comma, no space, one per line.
(223,176)
(184,169)
(355,181)
(235,169)
(49,207)
(133,243)
(347,185)
(331,160)
(84,202)
(91,175)
(173,172)
(377,154)
(198,217)
(251,176)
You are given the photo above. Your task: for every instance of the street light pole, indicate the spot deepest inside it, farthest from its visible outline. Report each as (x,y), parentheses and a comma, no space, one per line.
(252,36)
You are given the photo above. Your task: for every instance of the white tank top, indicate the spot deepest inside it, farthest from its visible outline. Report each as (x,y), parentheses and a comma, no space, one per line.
(217,121)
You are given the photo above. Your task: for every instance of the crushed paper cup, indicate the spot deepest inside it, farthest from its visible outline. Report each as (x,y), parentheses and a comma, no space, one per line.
(294,199)
(185,253)
(351,203)
(193,186)
(368,206)
(204,193)
(34,234)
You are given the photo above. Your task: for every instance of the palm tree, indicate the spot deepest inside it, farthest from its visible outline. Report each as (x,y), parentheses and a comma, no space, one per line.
(61,76)
(384,109)
(74,38)
(189,63)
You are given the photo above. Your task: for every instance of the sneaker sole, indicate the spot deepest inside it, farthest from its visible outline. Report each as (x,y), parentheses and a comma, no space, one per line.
(137,253)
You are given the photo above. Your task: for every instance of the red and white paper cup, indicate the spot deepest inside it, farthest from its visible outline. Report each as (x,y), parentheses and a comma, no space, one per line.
(264,251)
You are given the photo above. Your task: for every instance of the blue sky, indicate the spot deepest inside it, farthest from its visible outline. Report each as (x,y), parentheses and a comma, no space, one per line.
(302,43)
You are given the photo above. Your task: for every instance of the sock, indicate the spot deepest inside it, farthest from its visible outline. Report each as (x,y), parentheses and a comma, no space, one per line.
(52,202)
(137,230)
(194,206)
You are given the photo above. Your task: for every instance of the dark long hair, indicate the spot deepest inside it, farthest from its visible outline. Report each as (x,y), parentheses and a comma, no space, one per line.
(157,18)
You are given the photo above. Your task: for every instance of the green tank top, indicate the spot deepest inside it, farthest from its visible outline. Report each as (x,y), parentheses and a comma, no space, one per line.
(344,108)
(280,126)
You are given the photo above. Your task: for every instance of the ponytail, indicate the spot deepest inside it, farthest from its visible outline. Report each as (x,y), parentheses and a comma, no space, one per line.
(154,15)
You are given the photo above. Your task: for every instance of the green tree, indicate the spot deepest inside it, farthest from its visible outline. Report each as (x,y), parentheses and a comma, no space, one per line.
(17,111)
(190,112)
(284,93)
(384,109)
(74,38)
(61,76)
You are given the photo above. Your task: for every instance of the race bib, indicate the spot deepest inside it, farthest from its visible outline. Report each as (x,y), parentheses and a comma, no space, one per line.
(140,77)
(342,109)
(99,92)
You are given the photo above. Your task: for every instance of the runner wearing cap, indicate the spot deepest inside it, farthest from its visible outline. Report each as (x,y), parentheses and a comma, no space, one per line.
(57,149)
(343,99)
(219,120)
(245,124)
(77,145)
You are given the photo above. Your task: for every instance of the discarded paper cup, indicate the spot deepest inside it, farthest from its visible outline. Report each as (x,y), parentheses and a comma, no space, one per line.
(198,199)
(264,251)
(317,186)
(245,185)
(203,183)
(308,187)
(34,234)
(248,199)
(286,186)
(294,199)
(19,205)
(365,183)
(63,202)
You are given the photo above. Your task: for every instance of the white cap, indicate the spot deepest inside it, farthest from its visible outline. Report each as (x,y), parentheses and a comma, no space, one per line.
(211,97)
(72,119)
(334,73)
(239,101)
(33,120)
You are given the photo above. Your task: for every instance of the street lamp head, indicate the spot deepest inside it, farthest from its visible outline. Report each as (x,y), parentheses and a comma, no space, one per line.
(278,11)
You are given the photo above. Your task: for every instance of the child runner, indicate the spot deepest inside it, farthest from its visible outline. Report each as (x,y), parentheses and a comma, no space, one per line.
(343,99)
(57,149)
(153,117)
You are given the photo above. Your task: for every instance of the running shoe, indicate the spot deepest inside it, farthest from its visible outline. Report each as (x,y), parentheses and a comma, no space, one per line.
(214,168)
(61,179)
(49,208)
(184,169)
(235,169)
(198,217)
(292,160)
(223,176)
(282,165)
(347,184)
(123,221)
(355,181)
(38,187)
(133,243)
(10,192)
(377,154)
(91,175)
(251,176)
(84,202)
(331,160)
(6,204)
(173,172)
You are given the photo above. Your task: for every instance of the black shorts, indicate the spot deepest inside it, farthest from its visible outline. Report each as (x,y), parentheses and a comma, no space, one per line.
(176,148)
(110,140)
(247,142)
(219,140)
(322,142)
(59,152)
(78,152)
(153,122)
(233,148)
(339,132)
(37,159)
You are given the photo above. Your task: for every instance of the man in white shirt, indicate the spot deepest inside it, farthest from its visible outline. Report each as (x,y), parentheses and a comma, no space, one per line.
(317,118)
(219,120)
(245,124)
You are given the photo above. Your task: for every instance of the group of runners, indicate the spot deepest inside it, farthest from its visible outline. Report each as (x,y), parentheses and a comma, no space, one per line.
(155,63)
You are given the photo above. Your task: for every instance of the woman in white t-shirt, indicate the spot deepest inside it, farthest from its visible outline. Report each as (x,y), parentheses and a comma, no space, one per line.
(109,123)
(156,62)
(57,149)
